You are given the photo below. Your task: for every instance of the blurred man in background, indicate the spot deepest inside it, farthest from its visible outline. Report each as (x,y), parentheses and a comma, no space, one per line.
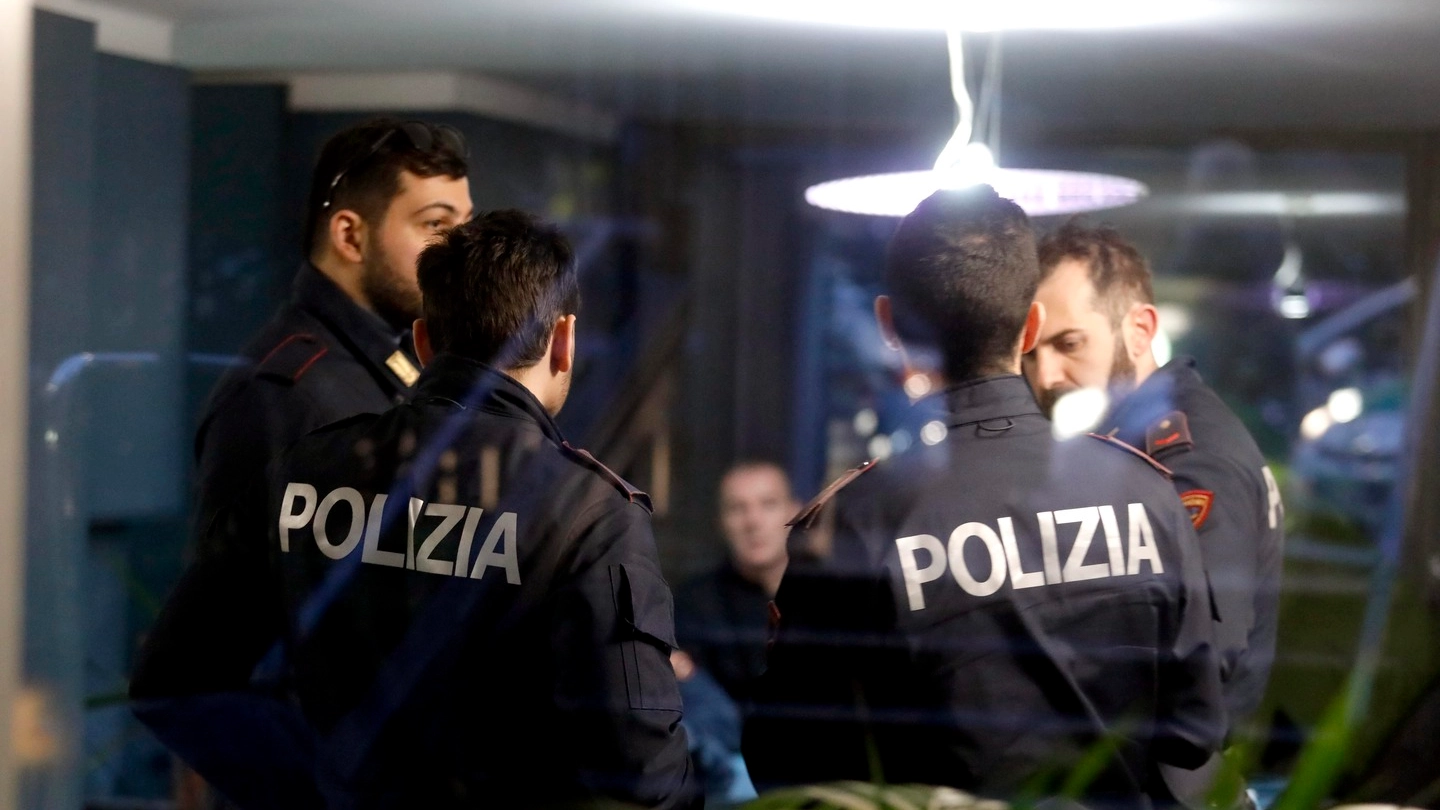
(1100,321)
(998,611)
(722,617)
(722,620)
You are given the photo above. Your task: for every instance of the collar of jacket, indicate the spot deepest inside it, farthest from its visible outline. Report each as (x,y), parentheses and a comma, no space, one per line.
(1159,395)
(471,384)
(988,398)
(366,334)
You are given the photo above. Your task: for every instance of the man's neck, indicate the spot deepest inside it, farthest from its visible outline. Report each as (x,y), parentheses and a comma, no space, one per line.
(345,276)
(538,381)
(1145,365)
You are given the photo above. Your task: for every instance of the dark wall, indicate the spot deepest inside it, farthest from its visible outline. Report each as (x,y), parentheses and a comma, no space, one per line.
(240,267)
(108,293)
(138,279)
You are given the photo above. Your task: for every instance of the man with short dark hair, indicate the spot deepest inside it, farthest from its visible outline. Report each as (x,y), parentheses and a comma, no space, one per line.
(380,191)
(999,611)
(722,616)
(470,611)
(1101,320)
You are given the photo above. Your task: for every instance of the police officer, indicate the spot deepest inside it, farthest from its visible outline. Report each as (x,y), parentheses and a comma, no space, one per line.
(997,607)
(379,192)
(469,609)
(1101,319)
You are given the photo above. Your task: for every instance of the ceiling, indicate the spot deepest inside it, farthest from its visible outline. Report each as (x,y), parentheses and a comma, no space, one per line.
(1353,65)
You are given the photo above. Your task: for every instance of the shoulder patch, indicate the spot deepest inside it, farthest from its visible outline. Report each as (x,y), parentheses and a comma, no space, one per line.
(291,358)
(1116,443)
(589,462)
(1170,433)
(805,518)
(1198,502)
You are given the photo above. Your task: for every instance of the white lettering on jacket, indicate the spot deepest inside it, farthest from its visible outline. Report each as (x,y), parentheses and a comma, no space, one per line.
(342,519)
(925,559)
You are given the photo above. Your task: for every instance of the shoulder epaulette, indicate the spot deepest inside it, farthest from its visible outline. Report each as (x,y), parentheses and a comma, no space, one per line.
(805,518)
(589,462)
(291,358)
(1114,442)
(1169,433)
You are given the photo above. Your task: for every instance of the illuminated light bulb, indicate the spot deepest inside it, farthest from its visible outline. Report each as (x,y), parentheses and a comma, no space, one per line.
(1078,412)
(1345,405)
(1315,423)
(1040,192)
(1295,306)
(934,432)
(917,386)
(965,162)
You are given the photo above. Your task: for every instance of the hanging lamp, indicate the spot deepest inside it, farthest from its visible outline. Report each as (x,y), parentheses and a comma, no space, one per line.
(967,160)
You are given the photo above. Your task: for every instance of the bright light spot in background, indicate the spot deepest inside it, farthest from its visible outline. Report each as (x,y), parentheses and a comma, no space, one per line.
(934,432)
(1078,412)
(1294,306)
(1315,423)
(1341,356)
(880,447)
(977,15)
(1161,347)
(866,422)
(1041,192)
(1174,319)
(900,441)
(1345,405)
(917,386)
(1279,204)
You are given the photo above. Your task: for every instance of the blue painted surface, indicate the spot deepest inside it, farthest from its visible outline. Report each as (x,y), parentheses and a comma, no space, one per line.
(63,166)
(135,465)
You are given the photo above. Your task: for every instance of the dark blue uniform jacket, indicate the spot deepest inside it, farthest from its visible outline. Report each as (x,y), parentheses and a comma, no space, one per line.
(1235,505)
(992,611)
(466,613)
(321,358)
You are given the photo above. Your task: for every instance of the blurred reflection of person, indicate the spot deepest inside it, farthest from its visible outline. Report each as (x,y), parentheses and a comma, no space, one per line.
(1100,321)
(722,617)
(722,622)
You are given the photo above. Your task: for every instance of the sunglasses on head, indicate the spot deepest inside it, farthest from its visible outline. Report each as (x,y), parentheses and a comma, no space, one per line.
(420,136)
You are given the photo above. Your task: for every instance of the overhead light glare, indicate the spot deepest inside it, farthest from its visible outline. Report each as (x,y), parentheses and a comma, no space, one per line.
(1041,192)
(1294,306)
(977,15)
(967,161)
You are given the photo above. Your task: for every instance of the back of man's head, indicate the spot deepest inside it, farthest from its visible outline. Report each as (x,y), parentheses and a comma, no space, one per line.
(367,160)
(1118,270)
(495,287)
(961,273)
